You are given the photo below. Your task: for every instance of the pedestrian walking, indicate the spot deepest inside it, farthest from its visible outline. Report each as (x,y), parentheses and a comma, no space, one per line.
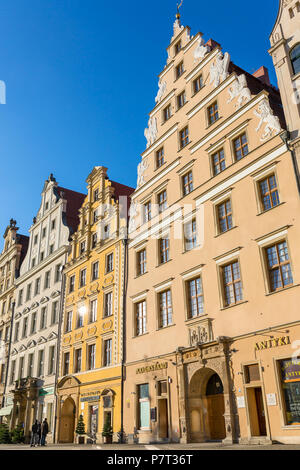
(45,430)
(34,434)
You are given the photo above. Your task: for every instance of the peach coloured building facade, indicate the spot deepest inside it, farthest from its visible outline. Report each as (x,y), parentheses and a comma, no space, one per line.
(212,317)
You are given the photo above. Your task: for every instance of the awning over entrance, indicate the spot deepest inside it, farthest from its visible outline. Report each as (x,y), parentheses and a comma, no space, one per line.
(6,410)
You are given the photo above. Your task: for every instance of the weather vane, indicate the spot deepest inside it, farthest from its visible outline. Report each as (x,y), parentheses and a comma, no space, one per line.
(179,5)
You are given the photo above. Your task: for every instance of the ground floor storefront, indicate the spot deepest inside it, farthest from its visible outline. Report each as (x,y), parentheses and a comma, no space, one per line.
(233,390)
(99,403)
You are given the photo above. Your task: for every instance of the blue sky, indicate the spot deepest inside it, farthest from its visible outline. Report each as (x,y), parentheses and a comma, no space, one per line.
(81,77)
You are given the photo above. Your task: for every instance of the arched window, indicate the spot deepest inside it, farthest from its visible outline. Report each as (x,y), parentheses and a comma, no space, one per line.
(295,58)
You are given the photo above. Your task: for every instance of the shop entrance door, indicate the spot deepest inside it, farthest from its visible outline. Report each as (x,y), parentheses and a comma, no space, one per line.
(215,408)
(256,412)
(163,432)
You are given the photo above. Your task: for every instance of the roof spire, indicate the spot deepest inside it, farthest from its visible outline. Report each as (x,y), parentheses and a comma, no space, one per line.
(179,5)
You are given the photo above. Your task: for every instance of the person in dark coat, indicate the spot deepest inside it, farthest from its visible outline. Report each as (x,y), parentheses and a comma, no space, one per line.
(39,433)
(45,430)
(34,434)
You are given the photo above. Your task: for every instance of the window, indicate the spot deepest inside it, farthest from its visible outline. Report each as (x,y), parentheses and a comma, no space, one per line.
(147,211)
(187,183)
(195,297)
(141,262)
(165,309)
(44,232)
(66,363)
(82,247)
(40,363)
(295,59)
(82,278)
(162,201)
(179,70)
(33,323)
(94,240)
(218,162)
(95,271)
(47,280)
(279,266)
(181,100)
(12,372)
(106,232)
(177,47)
(108,300)
(197,84)
(160,157)
(33,263)
(96,195)
(141,318)
(95,216)
(51,366)
(109,263)
(107,359)
(58,273)
(17,327)
(43,318)
(53,223)
(213,113)
(30,365)
(190,235)
(21,367)
(42,255)
(91,356)
(20,298)
(224,214)
(78,360)
(80,317)
(55,307)
(289,370)
(69,322)
(51,249)
(37,286)
(232,284)
(143,406)
(25,324)
(240,146)
(72,283)
(184,137)
(167,113)
(164,250)
(93,311)
(35,240)
(28,293)
(269,196)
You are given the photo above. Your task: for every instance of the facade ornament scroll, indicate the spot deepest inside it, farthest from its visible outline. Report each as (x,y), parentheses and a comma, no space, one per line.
(201,50)
(151,132)
(266,116)
(219,69)
(240,91)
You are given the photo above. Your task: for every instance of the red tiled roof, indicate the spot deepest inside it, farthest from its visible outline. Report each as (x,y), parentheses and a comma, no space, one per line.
(74,203)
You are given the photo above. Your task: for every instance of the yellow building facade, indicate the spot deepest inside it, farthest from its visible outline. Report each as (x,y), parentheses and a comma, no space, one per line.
(90,382)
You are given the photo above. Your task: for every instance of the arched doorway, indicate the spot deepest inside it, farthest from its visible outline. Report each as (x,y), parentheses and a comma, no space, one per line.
(215,408)
(206,407)
(67,421)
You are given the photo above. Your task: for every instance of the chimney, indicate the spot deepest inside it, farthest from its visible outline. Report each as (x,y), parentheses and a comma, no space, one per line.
(212,44)
(263,75)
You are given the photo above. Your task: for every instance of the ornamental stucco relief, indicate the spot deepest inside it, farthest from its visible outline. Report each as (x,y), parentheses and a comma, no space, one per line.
(266,116)
(219,69)
(240,91)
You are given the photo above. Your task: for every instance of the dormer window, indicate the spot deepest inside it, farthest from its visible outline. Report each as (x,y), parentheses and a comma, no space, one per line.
(82,247)
(177,47)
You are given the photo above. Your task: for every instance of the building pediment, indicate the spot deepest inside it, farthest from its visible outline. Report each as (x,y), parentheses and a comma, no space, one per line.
(34,305)
(68,382)
(52,335)
(26,310)
(22,348)
(18,315)
(14,352)
(31,344)
(41,340)
(44,300)
(55,294)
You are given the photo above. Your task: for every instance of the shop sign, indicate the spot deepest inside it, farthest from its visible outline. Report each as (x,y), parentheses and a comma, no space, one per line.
(290,370)
(271,399)
(46,391)
(273,343)
(92,398)
(152,368)
(241,402)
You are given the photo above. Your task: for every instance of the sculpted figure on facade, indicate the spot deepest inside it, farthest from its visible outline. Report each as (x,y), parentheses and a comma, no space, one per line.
(162,90)
(142,167)
(266,116)
(151,132)
(240,91)
(201,50)
(219,69)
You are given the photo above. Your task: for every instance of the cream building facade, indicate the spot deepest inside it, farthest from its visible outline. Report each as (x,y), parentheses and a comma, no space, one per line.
(14,250)
(34,349)
(214,263)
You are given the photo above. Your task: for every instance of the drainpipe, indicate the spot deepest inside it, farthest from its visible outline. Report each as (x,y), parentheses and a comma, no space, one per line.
(62,296)
(9,350)
(125,284)
(285,137)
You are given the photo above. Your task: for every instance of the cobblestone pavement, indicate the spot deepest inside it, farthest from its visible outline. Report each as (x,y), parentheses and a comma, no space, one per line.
(154,448)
